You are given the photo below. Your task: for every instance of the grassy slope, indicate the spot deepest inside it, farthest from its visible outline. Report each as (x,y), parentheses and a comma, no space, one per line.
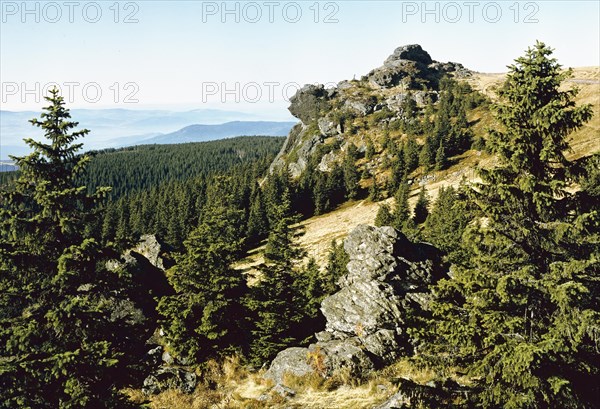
(321,230)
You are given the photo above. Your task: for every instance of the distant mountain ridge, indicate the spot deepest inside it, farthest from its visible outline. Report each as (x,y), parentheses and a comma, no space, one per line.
(202,132)
(113,128)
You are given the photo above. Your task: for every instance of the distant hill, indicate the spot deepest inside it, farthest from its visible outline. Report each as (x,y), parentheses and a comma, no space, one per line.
(6,166)
(202,133)
(113,128)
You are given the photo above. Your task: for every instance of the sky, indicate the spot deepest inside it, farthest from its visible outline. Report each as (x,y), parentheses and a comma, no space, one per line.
(252,56)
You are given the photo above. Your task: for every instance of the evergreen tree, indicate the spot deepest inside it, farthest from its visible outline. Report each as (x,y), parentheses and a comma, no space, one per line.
(258,222)
(63,346)
(374,191)
(384,216)
(277,301)
(370,149)
(337,261)
(310,290)
(205,317)
(441,161)
(447,222)
(521,315)
(427,155)
(399,172)
(401,212)
(351,176)
(411,155)
(420,212)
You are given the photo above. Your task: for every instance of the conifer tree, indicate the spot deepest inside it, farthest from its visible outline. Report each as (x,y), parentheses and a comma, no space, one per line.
(411,155)
(374,191)
(205,317)
(351,175)
(521,315)
(441,161)
(447,222)
(421,211)
(277,301)
(401,212)
(258,222)
(384,216)
(63,346)
(337,261)
(370,149)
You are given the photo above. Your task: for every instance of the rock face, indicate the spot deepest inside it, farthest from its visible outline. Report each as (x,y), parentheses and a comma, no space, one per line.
(410,66)
(149,247)
(411,52)
(387,278)
(309,102)
(329,112)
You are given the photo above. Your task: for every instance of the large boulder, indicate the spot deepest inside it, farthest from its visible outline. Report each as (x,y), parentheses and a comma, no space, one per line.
(411,67)
(294,361)
(411,52)
(309,103)
(149,247)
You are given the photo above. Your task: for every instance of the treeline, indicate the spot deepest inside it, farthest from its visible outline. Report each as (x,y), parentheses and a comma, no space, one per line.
(139,168)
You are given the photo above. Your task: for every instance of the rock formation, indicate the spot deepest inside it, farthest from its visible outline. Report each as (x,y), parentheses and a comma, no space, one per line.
(409,72)
(387,280)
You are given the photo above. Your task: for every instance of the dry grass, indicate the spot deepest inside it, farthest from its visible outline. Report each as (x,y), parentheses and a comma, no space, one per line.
(230,386)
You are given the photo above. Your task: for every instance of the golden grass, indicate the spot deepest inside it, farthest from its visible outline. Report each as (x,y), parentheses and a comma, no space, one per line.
(234,387)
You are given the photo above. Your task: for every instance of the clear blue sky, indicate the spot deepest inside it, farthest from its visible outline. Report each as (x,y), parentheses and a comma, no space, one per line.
(187,54)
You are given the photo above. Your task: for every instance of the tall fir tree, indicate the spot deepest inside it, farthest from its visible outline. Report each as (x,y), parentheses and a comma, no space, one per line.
(351,175)
(206,316)
(258,222)
(277,300)
(421,210)
(337,260)
(401,214)
(384,215)
(63,344)
(521,314)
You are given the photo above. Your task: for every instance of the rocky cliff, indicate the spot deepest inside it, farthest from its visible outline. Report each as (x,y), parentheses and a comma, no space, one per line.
(330,114)
(387,281)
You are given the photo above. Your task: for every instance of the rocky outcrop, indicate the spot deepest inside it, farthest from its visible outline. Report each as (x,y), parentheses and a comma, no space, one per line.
(410,66)
(388,279)
(151,249)
(329,112)
(310,102)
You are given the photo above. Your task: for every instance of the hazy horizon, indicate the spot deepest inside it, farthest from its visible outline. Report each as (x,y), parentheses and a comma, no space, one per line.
(252,56)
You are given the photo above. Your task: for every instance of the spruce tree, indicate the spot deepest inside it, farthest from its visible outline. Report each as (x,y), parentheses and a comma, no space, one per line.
(401,212)
(337,260)
(521,314)
(420,212)
(441,161)
(411,155)
(205,317)
(351,175)
(277,300)
(64,343)
(374,191)
(258,222)
(447,222)
(384,216)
